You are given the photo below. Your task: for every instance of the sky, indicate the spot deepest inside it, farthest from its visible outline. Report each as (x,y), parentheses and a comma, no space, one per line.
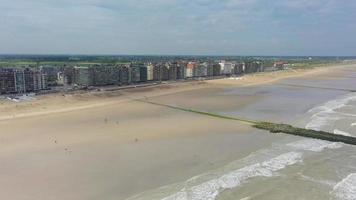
(179,27)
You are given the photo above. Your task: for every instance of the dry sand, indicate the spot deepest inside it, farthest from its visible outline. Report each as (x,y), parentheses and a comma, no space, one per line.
(104,145)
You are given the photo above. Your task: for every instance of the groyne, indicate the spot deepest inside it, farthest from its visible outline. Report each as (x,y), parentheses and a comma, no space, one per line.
(269,126)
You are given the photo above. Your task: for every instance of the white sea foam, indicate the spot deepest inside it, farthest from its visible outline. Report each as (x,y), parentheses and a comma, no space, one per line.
(322,182)
(314,145)
(209,190)
(326,114)
(346,189)
(339,132)
(353,124)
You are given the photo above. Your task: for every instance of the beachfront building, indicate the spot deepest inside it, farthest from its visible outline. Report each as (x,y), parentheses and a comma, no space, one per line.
(82,76)
(172,71)
(253,67)
(149,72)
(164,73)
(216,70)
(190,69)
(7,81)
(102,75)
(210,69)
(21,80)
(238,68)
(160,72)
(201,70)
(157,72)
(143,73)
(35,80)
(125,75)
(135,73)
(68,75)
(226,67)
(51,74)
(181,70)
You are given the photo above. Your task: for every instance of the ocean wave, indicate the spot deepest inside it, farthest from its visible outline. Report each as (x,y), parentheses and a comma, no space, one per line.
(353,124)
(326,114)
(209,190)
(346,189)
(339,132)
(314,145)
(322,182)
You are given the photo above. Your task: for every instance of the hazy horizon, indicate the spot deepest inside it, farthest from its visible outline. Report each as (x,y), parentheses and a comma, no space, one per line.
(178,27)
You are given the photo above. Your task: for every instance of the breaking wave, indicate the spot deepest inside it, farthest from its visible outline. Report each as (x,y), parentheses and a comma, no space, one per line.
(339,132)
(314,145)
(326,115)
(346,189)
(210,189)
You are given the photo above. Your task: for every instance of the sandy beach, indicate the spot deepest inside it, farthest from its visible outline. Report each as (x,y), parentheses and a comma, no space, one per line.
(106,145)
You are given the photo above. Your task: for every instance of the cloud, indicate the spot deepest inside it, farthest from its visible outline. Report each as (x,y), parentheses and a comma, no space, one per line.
(175,26)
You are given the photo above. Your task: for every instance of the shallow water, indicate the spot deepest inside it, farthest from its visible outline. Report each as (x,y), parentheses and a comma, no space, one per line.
(295,168)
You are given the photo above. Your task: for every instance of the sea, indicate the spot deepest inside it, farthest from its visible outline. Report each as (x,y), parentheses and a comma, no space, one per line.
(292,167)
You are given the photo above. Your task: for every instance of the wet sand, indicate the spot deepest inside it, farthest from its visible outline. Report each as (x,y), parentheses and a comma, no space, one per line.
(107,146)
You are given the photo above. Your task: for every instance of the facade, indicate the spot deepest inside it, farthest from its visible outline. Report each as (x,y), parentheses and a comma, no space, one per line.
(210,69)
(216,70)
(21,81)
(164,73)
(238,68)
(82,76)
(7,81)
(135,73)
(190,69)
(160,73)
(181,71)
(226,67)
(51,74)
(156,73)
(253,67)
(68,73)
(201,70)
(143,73)
(172,71)
(125,75)
(150,72)
(101,75)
